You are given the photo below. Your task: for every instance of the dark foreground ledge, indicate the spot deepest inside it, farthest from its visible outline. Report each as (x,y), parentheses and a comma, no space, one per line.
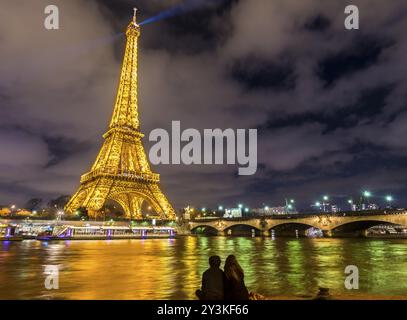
(159,309)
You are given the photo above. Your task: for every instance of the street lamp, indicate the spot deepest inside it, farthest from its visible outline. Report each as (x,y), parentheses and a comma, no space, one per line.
(203,209)
(324,202)
(220,208)
(246,209)
(240,206)
(292,201)
(367,194)
(389,199)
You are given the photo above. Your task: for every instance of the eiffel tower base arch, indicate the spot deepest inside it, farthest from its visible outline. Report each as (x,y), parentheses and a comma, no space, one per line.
(130,196)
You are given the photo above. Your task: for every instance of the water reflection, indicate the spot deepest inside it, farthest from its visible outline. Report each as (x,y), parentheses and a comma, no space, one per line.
(172,268)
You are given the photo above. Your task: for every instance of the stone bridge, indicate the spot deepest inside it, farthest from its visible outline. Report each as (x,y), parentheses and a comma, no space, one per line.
(334,224)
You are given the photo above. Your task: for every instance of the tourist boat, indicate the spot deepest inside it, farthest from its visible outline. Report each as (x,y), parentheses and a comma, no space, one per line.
(105,233)
(8,233)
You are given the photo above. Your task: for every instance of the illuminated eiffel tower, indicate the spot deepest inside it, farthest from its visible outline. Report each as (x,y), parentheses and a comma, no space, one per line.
(121,171)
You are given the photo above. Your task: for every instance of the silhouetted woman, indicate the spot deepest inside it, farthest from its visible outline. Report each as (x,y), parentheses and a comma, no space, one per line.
(234,286)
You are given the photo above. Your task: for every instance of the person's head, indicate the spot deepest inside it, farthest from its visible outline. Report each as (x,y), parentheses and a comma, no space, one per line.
(232,268)
(214,261)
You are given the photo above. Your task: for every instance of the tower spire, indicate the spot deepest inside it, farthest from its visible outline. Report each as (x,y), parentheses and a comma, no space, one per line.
(135,16)
(125,114)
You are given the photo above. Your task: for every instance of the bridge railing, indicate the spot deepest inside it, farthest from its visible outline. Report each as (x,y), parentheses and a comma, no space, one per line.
(313,214)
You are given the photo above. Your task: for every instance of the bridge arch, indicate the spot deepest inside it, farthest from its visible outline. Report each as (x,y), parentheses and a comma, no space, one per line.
(204,229)
(293,228)
(242,229)
(358,227)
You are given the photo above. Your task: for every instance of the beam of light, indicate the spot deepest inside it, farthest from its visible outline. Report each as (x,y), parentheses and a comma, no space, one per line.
(184,7)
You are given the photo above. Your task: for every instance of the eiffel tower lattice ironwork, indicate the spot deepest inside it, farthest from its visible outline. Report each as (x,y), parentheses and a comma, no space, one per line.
(121,171)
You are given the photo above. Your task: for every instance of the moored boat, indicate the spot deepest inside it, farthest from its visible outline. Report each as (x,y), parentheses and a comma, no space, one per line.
(89,232)
(8,233)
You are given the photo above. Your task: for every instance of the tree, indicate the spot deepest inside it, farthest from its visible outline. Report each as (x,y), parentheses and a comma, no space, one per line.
(82,213)
(33,204)
(5,212)
(59,202)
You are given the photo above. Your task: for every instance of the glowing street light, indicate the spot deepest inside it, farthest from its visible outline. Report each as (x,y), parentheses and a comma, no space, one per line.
(367,194)
(292,201)
(203,209)
(326,198)
(389,198)
(350,201)
(240,206)
(246,210)
(318,204)
(220,208)
(266,208)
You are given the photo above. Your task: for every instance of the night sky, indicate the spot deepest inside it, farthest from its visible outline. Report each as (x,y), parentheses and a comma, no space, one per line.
(329,104)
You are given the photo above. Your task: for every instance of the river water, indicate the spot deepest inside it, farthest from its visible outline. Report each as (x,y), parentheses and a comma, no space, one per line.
(172,268)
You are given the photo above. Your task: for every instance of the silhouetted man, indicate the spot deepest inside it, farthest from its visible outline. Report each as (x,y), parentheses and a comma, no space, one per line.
(212,281)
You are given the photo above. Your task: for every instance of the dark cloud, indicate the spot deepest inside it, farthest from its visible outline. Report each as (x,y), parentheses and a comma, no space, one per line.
(363,52)
(255,74)
(317,23)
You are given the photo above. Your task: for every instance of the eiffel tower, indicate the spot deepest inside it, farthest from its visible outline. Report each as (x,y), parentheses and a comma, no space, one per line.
(121,171)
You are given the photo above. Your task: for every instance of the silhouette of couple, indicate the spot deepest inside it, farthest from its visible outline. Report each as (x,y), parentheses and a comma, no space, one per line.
(223,285)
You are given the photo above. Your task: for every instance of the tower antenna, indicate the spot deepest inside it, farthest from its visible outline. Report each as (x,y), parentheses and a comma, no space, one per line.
(135,16)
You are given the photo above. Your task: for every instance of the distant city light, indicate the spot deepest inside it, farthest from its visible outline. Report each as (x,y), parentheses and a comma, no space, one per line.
(266,208)
(317,204)
(220,208)
(240,206)
(289,206)
(367,193)
(292,200)
(203,209)
(326,198)
(350,201)
(389,198)
(246,209)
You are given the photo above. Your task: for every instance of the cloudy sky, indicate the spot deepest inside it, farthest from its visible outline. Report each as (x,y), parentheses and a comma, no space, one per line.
(329,104)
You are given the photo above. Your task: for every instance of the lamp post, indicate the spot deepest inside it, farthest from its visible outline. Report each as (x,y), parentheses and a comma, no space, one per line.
(366,194)
(325,202)
(389,200)
(350,201)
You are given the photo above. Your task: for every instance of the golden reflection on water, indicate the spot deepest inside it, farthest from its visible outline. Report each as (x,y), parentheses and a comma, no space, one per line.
(172,268)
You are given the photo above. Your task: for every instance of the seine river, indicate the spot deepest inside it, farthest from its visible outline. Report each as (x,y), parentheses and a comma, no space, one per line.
(172,268)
